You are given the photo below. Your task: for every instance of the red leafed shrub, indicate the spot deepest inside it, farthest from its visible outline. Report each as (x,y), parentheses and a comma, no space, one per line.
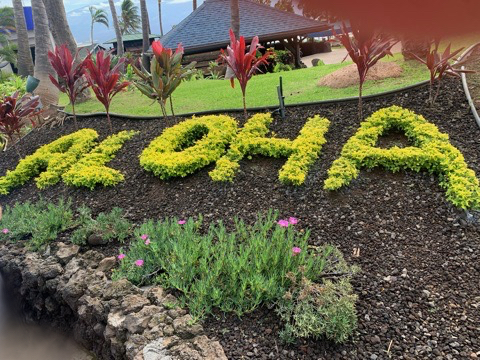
(104,81)
(243,64)
(439,65)
(365,48)
(14,112)
(71,79)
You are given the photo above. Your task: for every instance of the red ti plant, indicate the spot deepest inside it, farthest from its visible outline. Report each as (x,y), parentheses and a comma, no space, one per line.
(365,48)
(104,81)
(439,66)
(243,64)
(71,77)
(14,112)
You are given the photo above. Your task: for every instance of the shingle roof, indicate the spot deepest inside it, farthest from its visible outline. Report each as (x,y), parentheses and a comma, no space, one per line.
(132,37)
(207,27)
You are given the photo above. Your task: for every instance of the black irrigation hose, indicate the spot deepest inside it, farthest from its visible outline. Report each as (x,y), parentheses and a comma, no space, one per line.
(255,109)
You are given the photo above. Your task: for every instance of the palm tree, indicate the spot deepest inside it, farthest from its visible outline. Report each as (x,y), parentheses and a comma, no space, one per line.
(235,17)
(145,32)
(160,16)
(7,51)
(130,20)
(7,25)
(24,55)
(116,26)
(98,16)
(43,43)
(62,34)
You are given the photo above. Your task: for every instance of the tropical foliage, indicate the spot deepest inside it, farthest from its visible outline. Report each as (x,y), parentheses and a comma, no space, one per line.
(105,80)
(365,48)
(71,76)
(130,22)
(243,64)
(15,112)
(98,16)
(438,64)
(166,74)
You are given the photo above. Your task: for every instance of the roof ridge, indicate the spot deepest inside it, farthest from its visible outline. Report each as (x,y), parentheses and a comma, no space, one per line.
(283,12)
(185,21)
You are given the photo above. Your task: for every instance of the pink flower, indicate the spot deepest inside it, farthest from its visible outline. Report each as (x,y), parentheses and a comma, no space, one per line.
(292,220)
(296,251)
(5,231)
(144,237)
(121,256)
(147,242)
(181,222)
(139,262)
(283,223)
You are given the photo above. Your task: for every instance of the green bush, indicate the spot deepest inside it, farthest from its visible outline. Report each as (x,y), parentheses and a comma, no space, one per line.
(234,271)
(432,151)
(279,67)
(39,223)
(12,83)
(91,170)
(109,226)
(251,140)
(188,146)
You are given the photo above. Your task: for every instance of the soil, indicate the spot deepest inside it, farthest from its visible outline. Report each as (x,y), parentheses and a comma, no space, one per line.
(419,288)
(348,75)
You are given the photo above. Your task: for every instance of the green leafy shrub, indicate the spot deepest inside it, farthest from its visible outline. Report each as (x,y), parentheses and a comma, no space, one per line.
(11,84)
(109,226)
(314,310)
(91,169)
(301,152)
(432,151)
(50,161)
(279,67)
(234,271)
(188,146)
(40,223)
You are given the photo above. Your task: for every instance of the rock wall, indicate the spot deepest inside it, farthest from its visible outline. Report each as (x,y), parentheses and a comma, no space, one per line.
(115,320)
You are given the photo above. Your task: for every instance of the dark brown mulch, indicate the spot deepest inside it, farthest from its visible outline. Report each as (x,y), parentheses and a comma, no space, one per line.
(419,291)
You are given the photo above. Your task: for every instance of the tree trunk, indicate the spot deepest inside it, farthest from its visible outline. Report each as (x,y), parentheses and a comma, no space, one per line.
(194,5)
(160,16)
(116,26)
(146,35)
(235,17)
(43,43)
(24,61)
(62,34)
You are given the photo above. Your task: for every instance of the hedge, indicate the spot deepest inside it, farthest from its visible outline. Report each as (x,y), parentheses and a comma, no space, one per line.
(432,151)
(188,146)
(301,152)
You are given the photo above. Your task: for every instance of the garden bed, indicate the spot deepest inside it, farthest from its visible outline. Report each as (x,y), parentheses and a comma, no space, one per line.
(418,288)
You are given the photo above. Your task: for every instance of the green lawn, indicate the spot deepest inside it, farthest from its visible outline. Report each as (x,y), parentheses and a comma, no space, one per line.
(299,86)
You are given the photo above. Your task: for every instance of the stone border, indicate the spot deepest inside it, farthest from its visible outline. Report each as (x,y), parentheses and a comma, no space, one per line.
(114,320)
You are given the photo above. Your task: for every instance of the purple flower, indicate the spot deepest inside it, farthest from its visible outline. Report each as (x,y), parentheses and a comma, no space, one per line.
(144,237)
(181,222)
(296,251)
(121,256)
(5,231)
(139,263)
(147,242)
(292,220)
(283,223)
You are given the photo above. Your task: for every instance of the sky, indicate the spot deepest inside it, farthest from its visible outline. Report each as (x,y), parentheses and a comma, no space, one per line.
(78,16)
